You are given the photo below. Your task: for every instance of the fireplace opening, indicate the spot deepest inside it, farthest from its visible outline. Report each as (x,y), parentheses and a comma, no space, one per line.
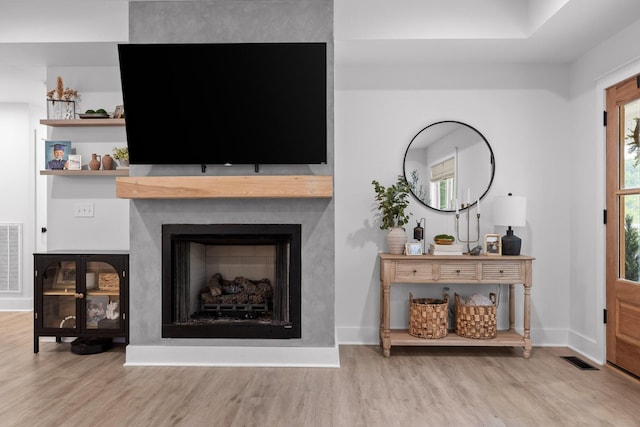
(231,281)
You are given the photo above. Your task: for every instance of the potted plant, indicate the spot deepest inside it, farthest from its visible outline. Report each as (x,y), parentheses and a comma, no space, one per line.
(392,202)
(121,154)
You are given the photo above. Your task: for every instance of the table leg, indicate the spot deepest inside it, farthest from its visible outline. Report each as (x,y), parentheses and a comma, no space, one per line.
(512,308)
(527,320)
(381,314)
(385,332)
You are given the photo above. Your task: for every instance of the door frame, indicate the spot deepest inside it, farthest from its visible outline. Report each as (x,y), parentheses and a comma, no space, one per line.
(603,82)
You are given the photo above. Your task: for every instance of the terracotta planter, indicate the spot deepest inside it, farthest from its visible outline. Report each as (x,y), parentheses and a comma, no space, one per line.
(396,239)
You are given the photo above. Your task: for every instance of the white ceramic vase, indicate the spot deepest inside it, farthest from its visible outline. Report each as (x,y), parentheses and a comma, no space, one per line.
(396,239)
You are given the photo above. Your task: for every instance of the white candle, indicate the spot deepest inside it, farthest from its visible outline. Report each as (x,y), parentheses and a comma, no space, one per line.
(468,197)
(478,202)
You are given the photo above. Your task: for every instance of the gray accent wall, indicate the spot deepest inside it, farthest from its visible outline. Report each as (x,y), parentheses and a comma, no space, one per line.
(235,21)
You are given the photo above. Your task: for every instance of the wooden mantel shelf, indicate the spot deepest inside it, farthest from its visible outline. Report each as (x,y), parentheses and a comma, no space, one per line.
(211,187)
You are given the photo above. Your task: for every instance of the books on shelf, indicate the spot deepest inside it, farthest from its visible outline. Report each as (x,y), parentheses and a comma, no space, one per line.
(455,249)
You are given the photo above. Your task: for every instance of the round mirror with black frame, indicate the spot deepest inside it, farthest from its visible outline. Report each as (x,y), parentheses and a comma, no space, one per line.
(449,164)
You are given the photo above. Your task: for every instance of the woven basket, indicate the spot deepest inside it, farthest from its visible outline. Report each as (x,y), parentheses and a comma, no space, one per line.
(108,281)
(476,321)
(429,317)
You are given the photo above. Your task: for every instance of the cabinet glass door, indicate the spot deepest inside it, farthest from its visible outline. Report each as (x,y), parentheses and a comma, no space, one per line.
(103,296)
(59,295)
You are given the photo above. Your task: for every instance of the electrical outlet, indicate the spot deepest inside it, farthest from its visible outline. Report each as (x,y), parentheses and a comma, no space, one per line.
(83,210)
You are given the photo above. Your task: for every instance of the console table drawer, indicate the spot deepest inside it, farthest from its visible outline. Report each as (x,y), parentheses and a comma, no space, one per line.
(466,271)
(502,272)
(414,271)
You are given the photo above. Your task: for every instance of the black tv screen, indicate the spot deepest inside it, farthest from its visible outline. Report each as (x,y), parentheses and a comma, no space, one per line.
(225,103)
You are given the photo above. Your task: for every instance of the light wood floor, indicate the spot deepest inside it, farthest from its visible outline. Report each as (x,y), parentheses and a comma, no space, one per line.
(414,387)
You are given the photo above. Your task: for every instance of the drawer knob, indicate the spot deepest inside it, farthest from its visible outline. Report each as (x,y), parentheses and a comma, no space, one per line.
(415,271)
(458,271)
(501,271)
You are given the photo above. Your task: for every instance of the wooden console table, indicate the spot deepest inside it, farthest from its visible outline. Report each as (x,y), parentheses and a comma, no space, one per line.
(456,269)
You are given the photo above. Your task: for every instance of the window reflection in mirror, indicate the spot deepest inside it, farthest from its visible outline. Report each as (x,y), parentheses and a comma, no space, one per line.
(445,162)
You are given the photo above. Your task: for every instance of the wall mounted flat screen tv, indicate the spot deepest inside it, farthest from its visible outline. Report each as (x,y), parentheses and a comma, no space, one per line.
(225,103)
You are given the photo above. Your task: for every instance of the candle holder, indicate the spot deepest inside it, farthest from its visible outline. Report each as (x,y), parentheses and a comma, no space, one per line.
(468,240)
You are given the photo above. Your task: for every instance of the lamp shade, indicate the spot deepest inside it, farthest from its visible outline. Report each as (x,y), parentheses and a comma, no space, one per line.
(510,211)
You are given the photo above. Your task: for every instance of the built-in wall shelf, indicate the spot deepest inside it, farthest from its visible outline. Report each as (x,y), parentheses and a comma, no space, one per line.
(211,187)
(82,122)
(64,172)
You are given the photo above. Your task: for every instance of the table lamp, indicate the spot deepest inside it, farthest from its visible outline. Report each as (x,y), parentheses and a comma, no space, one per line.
(510,211)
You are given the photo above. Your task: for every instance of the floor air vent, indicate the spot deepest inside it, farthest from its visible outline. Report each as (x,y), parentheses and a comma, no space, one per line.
(579,363)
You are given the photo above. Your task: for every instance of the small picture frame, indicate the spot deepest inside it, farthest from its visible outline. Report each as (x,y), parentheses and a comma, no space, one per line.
(66,275)
(118,112)
(492,244)
(75,162)
(56,154)
(413,249)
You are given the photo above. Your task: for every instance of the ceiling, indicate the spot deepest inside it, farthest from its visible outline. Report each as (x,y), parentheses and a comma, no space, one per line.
(365,31)
(464,31)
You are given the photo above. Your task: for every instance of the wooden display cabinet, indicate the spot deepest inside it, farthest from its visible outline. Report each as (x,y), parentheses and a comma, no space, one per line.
(81,295)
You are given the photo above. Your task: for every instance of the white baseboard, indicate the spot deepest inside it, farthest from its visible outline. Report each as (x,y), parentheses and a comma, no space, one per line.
(16,304)
(154,355)
(588,347)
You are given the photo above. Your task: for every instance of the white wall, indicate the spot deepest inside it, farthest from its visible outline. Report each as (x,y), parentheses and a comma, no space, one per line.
(545,126)
(99,87)
(34,34)
(18,186)
(523,113)
(612,61)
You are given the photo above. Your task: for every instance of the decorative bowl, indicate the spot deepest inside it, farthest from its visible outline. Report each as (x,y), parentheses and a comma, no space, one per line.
(444,241)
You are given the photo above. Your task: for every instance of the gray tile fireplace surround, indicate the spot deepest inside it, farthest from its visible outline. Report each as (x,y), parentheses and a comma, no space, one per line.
(317,347)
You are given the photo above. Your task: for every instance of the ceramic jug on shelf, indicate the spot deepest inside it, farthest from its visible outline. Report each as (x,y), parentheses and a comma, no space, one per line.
(94,163)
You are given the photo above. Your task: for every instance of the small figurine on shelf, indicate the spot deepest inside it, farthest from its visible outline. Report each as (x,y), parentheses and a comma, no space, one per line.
(112,310)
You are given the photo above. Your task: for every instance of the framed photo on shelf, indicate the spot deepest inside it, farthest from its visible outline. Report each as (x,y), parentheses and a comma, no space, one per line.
(413,249)
(492,244)
(56,154)
(66,275)
(75,162)
(118,112)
